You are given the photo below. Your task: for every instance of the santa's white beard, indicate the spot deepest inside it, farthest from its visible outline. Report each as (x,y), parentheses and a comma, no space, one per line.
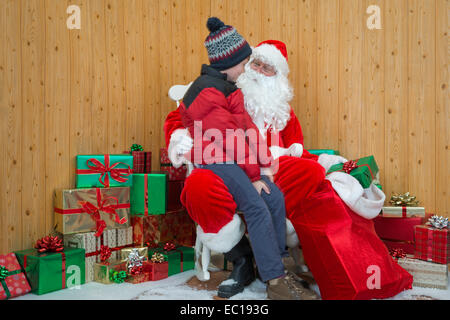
(266,99)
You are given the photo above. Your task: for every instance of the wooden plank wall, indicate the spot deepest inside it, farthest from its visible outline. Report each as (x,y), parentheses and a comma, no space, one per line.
(99,89)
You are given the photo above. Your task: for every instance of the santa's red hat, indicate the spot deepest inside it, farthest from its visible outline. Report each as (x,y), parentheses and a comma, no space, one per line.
(273,52)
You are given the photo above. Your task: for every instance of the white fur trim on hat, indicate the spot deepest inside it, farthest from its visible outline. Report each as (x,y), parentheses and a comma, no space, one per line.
(222,241)
(269,54)
(365,202)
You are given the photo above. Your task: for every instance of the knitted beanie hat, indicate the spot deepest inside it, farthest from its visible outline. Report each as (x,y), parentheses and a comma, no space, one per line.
(226,48)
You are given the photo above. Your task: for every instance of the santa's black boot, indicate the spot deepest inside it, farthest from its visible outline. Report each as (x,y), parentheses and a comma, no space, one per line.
(243,272)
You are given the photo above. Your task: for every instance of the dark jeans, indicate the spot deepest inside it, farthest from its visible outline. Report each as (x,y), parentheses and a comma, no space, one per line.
(264,214)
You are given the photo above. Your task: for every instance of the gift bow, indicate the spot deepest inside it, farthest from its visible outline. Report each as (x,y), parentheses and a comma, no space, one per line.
(49,244)
(94,212)
(169,246)
(403,200)
(134,260)
(438,222)
(116,173)
(157,257)
(105,253)
(136,147)
(118,276)
(397,253)
(349,166)
(4,273)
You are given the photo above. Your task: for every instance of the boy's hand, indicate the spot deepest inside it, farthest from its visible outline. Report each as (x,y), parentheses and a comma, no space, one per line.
(261,185)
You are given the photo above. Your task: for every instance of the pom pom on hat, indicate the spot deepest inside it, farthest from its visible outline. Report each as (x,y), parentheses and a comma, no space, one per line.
(214,24)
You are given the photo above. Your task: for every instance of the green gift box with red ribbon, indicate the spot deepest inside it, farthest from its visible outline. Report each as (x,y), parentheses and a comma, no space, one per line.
(104,170)
(148,194)
(51,271)
(180,258)
(364,169)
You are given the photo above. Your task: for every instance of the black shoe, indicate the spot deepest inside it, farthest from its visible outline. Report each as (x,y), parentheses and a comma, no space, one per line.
(243,272)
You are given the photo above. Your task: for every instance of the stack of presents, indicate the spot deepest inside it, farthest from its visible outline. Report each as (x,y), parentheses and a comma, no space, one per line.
(122,223)
(418,241)
(125,223)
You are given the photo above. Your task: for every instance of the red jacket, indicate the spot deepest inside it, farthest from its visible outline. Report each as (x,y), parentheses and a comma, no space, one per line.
(217,107)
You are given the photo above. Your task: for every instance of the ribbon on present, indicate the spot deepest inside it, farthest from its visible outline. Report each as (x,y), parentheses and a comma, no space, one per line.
(136,147)
(103,169)
(157,257)
(5,273)
(94,211)
(168,246)
(105,253)
(438,222)
(397,253)
(134,260)
(49,244)
(350,165)
(403,200)
(117,276)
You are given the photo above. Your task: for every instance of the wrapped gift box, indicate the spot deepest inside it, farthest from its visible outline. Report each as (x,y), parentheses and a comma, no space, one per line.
(104,171)
(172,172)
(142,161)
(145,274)
(397,232)
(159,271)
(365,172)
(86,210)
(432,244)
(148,195)
(403,212)
(426,274)
(173,195)
(180,258)
(115,239)
(103,271)
(176,226)
(13,282)
(321,151)
(47,272)
(401,229)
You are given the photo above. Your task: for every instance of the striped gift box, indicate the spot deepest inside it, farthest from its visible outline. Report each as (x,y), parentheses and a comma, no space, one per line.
(432,244)
(426,274)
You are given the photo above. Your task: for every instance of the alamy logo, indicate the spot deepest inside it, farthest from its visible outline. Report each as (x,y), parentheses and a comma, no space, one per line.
(74,20)
(73,281)
(374,21)
(374,281)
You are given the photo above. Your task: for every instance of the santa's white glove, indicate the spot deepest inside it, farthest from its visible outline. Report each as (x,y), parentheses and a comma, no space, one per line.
(277,152)
(180,143)
(295,150)
(328,160)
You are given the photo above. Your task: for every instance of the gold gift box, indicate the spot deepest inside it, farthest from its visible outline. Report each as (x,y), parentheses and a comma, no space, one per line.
(70,219)
(124,253)
(102,270)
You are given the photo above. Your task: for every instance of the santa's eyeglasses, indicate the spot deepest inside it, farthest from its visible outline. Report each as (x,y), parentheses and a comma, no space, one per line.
(266,69)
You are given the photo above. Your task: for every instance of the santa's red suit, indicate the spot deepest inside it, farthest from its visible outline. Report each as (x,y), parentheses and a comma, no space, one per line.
(330,214)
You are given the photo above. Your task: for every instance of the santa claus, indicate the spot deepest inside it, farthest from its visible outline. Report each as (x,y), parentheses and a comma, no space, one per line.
(328,215)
